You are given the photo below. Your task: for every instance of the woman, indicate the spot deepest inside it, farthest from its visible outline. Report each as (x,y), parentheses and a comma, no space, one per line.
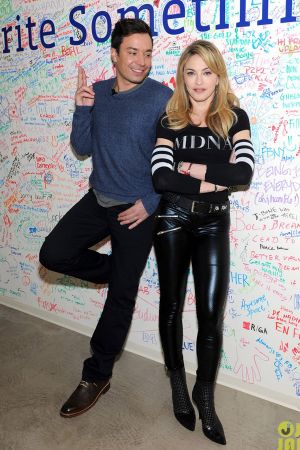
(203,147)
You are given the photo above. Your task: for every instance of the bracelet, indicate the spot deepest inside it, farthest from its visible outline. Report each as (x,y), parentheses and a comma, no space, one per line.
(216,188)
(188,170)
(184,172)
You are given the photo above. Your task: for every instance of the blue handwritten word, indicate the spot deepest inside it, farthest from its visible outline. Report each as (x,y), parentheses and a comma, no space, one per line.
(239,278)
(297,301)
(254,306)
(188,345)
(149,337)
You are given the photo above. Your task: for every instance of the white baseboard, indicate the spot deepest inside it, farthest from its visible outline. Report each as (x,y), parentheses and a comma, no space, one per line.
(44,315)
(223,379)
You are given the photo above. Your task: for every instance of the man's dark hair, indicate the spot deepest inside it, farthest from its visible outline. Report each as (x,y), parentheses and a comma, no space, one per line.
(126,27)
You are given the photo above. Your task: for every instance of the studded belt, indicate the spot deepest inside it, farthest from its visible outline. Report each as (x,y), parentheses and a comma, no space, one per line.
(194,206)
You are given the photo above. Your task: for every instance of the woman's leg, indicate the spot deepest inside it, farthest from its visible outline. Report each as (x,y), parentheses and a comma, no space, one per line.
(173,257)
(210,259)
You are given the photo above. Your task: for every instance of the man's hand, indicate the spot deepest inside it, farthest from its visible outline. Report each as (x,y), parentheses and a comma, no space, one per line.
(84,95)
(133,215)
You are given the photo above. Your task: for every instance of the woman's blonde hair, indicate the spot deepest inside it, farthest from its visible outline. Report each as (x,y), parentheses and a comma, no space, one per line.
(220,116)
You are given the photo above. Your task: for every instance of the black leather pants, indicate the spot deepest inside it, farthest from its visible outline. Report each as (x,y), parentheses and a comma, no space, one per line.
(182,237)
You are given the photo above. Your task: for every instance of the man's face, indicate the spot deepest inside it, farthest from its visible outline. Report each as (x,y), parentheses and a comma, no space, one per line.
(133,62)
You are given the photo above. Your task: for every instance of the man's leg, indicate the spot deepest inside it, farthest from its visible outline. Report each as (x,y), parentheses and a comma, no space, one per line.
(130,249)
(66,249)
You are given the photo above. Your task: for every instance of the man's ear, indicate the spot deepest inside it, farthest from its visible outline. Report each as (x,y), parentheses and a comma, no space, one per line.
(113,54)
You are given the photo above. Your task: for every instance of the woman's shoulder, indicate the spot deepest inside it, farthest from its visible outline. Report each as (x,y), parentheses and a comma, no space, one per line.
(163,121)
(242,121)
(164,128)
(166,123)
(239,112)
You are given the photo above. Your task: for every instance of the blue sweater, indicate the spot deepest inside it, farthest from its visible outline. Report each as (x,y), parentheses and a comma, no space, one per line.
(119,132)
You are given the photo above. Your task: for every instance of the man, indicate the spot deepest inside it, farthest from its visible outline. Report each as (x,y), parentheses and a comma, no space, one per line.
(114,122)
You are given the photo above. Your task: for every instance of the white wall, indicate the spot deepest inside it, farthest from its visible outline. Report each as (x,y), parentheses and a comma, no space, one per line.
(41,179)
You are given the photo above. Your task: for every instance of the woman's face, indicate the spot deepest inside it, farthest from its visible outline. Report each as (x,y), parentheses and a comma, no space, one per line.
(200,81)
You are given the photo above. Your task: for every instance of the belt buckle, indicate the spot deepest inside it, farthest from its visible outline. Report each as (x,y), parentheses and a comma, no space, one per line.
(193,205)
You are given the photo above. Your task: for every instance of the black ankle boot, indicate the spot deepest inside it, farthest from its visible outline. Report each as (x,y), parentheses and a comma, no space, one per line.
(182,405)
(203,396)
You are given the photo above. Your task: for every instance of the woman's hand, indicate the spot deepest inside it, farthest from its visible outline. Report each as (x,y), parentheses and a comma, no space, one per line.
(194,170)
(232,157)
(206,187)
(198,171)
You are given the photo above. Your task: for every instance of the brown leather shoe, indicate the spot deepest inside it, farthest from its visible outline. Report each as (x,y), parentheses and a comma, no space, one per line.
(84,397)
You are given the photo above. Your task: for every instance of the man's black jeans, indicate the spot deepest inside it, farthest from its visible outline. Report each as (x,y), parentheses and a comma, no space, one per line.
(66,250)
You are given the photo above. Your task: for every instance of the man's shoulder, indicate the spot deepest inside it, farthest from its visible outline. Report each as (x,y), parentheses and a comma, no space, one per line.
(103,85)
(158,86)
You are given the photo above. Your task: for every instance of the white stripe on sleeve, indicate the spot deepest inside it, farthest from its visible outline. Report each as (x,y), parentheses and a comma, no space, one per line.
(244,152)
(162,156)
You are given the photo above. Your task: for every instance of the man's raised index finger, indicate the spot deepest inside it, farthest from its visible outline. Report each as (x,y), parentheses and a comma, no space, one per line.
(79,77)
(81,80)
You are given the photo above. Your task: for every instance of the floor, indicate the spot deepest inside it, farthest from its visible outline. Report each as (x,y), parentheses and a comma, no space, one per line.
(41,365)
